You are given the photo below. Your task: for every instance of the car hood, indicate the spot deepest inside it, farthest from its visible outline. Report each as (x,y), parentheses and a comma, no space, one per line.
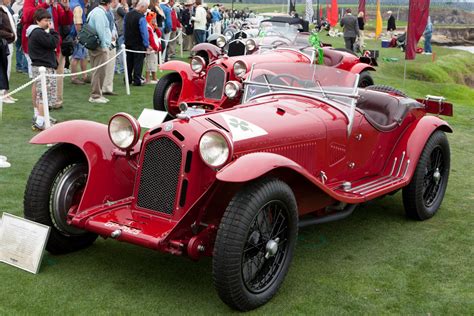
(270,122)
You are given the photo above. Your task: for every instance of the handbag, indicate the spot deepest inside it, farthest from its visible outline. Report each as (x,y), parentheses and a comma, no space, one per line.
(88,37)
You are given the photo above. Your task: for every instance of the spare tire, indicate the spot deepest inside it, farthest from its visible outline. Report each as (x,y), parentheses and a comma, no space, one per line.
(387,89)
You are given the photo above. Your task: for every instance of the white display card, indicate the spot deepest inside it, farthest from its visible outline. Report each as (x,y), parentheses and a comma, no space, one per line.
(22,242)
(150,118)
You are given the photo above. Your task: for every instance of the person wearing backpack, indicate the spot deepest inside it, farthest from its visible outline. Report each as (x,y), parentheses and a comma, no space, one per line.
(79,54)
(99,22)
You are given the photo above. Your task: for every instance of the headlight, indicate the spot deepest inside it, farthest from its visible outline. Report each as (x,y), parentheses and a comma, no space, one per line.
(232,88)
(221,41)
(214,148)
(124,131)
(240,69)
(197,64)
(229,35)
(250,45)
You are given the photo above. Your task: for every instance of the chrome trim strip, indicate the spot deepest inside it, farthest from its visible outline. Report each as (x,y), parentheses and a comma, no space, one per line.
(401,163)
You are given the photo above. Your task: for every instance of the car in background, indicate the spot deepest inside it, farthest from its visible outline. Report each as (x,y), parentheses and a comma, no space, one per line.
(304,147)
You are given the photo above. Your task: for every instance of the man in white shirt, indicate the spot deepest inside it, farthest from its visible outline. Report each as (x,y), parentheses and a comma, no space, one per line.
(200,21)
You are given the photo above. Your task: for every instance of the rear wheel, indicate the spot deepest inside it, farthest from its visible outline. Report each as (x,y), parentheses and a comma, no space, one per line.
(55,188)
(365,79)
(423,196)
(166,96)
(387,89)
(255,244)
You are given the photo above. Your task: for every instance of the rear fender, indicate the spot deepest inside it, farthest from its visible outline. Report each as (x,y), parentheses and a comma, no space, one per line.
(360,67)
(414,140)
(110,176)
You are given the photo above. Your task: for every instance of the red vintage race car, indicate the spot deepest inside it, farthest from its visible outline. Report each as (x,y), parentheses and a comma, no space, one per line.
(202,82)
(305,147)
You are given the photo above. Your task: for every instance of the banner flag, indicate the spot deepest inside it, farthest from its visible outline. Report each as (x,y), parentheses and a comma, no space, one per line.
(333,14)
(362,8)
(418,13)
(378,21)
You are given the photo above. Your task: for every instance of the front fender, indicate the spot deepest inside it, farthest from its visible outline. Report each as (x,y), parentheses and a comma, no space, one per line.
(110,176)
(414,140)
(360,67)
(192,84)
(213,52)
(184,69)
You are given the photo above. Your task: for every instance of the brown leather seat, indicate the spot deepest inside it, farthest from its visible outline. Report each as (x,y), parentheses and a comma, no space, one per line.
(332,57)
(384,111)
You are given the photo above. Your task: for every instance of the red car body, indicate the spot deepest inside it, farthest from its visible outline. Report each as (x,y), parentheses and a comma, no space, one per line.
(190,87)
(162,195)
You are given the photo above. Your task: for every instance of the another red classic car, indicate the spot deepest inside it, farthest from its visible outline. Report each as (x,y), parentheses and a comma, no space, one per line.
(306,146)
(201,83)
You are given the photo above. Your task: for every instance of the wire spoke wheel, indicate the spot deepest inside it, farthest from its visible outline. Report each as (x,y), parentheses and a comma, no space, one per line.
(266,247)
(255,244)
(423,196)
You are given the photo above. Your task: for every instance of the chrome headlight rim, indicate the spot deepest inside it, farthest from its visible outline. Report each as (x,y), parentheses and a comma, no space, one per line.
(198,64)
(240,69)
(237,88)
(250,45)
(229,35)
(133,123)
(221,41)
(230,148)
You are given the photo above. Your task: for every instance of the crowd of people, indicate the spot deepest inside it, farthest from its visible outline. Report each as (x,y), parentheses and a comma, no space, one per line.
(47,33)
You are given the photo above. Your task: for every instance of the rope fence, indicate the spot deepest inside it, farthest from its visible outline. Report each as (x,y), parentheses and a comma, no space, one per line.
(43,75)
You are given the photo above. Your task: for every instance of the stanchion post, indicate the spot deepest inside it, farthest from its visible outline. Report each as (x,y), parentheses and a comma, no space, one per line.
(44,93)
(125,69)
(160,60)
(181,42)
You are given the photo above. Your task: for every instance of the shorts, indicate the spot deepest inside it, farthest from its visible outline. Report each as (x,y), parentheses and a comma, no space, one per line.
(80,52)
(28,60)
(151,62)
(51,86)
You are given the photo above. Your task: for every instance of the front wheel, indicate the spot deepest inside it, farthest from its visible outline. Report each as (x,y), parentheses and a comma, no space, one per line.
(54,188)
(255,243)
(166,95)
(423,196)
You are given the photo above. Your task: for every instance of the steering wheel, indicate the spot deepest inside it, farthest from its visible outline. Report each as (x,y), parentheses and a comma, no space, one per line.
(277,43)
(292,80)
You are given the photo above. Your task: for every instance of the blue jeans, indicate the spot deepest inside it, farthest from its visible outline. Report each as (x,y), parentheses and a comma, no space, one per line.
(199,36)
(119,60)
(428,44)
(21,62)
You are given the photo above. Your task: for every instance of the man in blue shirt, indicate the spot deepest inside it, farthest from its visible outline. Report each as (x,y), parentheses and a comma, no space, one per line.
(136,38)
(167,25)
(98,20)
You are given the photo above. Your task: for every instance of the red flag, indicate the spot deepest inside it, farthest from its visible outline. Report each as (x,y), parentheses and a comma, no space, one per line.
(320,12)
(361,7)
(333,15)
(417,17)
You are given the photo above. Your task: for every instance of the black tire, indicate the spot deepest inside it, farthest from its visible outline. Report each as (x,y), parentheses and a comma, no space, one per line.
(424,195)
(387,89)
(54,185)
(161,89)
(244,236)
(365,79)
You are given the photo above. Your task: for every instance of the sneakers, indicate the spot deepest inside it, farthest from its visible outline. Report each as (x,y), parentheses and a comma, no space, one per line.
(39,128)
(52,120)
(87,80)
(100,100)
(8,100)
(152,82)
(77,81)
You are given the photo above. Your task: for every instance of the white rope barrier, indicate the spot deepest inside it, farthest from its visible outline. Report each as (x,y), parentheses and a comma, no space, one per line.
(85,71)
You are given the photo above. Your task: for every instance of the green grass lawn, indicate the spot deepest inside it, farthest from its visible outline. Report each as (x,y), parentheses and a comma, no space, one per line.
(375,262)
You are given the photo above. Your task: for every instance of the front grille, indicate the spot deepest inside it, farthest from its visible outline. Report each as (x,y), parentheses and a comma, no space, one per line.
(215,83)
(236,48)
(159,175)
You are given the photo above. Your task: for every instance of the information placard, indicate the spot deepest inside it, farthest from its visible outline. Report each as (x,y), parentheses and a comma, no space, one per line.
(22,242)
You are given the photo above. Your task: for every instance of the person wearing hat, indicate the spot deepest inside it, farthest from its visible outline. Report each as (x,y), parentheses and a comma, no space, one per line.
(351,29)
(391,27)
(99,21)
(188,29)
(200,21)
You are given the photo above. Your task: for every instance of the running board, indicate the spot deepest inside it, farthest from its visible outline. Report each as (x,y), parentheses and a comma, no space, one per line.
(329,218)
(397,173)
